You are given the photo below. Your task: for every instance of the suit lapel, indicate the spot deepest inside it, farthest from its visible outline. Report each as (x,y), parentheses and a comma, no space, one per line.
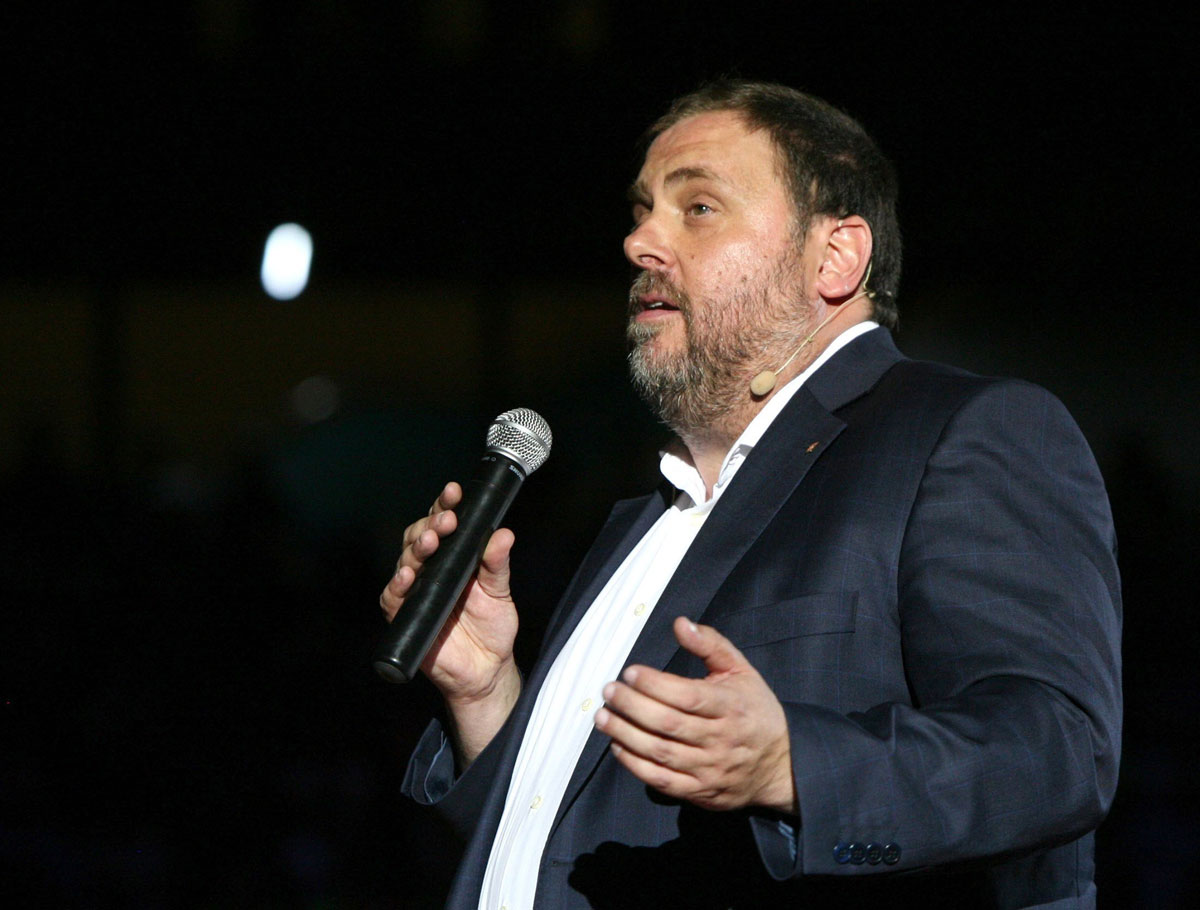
(628,522)
(771,472)
(799,436)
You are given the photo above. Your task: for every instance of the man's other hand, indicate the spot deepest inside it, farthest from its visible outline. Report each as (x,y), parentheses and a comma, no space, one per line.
(720,742)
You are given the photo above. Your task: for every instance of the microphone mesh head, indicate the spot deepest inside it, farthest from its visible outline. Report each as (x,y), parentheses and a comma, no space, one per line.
(523,436)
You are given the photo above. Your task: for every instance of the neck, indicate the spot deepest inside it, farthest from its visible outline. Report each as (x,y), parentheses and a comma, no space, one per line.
(707,450)
(709,445)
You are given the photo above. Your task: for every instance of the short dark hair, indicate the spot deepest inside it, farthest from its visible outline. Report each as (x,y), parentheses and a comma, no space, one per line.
(832,167)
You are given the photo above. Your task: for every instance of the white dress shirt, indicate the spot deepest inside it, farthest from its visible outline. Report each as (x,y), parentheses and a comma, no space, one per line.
(595,654)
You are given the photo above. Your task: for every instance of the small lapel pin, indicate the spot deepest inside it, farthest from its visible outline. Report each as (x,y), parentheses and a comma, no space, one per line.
(811,447)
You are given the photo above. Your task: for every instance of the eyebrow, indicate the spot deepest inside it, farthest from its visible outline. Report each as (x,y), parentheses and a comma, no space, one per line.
(639,194)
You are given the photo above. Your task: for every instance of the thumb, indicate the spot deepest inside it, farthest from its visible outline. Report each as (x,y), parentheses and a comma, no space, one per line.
(493,569)
(717,651)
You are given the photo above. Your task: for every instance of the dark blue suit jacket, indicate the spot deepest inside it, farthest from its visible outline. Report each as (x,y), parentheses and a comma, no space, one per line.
(921,563)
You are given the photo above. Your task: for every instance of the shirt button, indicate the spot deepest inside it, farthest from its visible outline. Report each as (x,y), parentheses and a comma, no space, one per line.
(639,609)
(536,804)
(587,705)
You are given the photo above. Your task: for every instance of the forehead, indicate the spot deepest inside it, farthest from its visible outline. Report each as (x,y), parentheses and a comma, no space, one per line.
(719,142)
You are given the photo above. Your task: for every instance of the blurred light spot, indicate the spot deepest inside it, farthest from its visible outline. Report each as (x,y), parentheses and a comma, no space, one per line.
(315,399)
(286,260)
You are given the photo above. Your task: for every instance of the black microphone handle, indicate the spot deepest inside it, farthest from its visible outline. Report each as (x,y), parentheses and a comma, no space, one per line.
(486,498)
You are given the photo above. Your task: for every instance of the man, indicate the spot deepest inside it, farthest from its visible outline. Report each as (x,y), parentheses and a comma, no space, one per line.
(863,644)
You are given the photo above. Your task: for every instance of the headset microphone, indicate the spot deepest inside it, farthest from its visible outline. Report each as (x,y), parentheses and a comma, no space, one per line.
(762,383)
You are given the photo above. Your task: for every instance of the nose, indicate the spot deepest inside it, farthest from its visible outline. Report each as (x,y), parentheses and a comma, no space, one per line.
(646,246)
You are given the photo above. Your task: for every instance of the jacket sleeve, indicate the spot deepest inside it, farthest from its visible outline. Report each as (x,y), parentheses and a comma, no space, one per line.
(1009,606)
(431,778)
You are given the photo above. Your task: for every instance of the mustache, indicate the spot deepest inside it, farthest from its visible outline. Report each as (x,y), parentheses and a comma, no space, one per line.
(654,284)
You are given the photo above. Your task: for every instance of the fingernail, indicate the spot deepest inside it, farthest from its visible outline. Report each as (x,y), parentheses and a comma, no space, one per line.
(609,690)
(630,675)
(601,718)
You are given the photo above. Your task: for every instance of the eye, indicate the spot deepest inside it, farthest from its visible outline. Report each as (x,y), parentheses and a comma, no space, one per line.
(699,208)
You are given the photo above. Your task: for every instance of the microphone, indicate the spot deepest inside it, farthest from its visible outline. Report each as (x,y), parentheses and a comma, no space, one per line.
(763,382)
(518,443)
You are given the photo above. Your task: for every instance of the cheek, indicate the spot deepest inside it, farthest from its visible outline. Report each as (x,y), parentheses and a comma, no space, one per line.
(725,265)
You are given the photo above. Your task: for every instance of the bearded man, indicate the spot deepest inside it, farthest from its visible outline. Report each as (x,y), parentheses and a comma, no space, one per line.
(862,644)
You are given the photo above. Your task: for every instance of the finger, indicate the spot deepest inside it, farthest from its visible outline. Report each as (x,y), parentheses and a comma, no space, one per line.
(695,697)
(446,501)
(655,715)
(450,497)
(651,744)
(717,651)
(400,582)
(389,605)
(494,567)
(422,539)
(441,521)
(425,543)
(395,591)
(665,780)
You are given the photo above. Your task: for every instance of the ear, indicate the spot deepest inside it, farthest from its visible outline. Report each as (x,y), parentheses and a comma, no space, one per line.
(847,255)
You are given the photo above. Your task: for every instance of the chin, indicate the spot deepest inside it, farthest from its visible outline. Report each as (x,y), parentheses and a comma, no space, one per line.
(660,359)
(654,340)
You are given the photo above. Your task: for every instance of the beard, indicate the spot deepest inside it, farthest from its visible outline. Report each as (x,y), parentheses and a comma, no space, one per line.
(726,342)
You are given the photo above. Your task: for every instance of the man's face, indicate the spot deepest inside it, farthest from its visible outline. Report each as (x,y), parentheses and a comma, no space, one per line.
(720,293)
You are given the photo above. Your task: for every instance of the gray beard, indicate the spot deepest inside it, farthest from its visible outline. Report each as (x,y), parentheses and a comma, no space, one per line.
(688,393)
(696,391)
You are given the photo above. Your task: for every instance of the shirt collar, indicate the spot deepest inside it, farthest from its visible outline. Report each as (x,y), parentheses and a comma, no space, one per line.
(684,476)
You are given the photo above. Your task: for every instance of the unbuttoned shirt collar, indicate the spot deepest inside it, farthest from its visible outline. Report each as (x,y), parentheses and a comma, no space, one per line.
(684,476)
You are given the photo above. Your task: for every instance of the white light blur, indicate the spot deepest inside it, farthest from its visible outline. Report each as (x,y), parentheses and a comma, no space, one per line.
(286,261)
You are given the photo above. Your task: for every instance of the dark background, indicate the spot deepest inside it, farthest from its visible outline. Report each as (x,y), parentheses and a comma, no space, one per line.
(192,538)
